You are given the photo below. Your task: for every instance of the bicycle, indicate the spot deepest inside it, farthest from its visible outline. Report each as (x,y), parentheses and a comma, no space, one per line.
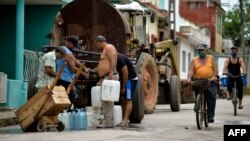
(235,91)
(199,86)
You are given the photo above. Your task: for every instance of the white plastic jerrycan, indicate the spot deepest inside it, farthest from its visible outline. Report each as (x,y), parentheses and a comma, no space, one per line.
(117,114)
(96,96)
(93,116)
(110,90)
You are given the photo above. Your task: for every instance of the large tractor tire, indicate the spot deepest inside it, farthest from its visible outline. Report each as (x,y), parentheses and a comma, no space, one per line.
(175,95)
(31,87)
(137,112)
(147,69)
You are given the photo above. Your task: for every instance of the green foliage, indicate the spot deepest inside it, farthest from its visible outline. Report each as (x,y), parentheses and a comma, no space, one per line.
(232,26)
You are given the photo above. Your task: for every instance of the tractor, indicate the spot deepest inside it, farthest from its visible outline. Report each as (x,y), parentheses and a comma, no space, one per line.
(155,63)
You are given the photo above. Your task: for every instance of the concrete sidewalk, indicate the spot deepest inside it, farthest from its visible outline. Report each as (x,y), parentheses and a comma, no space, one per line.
(7,117)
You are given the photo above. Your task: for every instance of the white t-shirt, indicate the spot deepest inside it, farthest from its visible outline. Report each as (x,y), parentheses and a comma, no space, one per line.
(49,59)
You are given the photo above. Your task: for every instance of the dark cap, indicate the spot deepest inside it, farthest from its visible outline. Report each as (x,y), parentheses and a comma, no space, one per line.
(201,46)
(61,49)
(47,48)
(100,38)
(234,47)
(73,39)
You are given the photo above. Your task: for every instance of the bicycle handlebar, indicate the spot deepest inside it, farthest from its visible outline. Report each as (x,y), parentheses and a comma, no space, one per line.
(232,76)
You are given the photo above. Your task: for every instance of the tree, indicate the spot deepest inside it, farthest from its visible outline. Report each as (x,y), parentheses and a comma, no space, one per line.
(232,29)
(232,24)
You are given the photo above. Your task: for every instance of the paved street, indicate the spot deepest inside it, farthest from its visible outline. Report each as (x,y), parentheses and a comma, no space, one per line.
(162,125)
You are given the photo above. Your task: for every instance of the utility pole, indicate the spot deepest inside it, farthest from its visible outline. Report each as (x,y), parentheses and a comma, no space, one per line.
(171,19)
(242,25)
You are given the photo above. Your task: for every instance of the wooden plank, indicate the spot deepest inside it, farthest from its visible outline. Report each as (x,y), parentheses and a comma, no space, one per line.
(31,101)
(28,111)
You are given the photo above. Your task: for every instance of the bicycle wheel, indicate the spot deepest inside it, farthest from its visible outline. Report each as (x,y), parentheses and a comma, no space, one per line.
(199,111)
(235,101)
(205,113)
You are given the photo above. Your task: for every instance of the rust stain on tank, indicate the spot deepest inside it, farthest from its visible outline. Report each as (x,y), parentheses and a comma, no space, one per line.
(88,19)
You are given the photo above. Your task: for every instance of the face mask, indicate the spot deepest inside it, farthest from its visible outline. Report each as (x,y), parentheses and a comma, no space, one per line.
(201,54)
(234,54)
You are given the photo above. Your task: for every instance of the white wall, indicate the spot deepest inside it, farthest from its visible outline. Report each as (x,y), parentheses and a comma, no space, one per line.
(152,28)
(220,64)
(185,47)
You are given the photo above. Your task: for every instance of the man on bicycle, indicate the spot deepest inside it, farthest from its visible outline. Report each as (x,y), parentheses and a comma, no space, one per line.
(204,66)
(232,65)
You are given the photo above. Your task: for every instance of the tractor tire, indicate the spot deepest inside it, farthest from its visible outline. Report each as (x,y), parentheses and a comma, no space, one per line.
(175,95)
(147,69)
(137,112)
(31,87)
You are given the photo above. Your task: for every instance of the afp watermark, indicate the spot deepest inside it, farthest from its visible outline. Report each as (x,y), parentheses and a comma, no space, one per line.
(238,132)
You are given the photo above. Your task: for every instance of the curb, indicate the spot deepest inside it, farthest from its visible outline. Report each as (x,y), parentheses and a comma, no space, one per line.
(7,117)
(8,121)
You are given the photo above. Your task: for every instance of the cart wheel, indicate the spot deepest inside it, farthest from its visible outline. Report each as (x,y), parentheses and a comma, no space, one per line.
(60,126)
(41,126)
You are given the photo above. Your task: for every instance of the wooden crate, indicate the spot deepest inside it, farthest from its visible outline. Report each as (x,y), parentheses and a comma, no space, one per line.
(43,104)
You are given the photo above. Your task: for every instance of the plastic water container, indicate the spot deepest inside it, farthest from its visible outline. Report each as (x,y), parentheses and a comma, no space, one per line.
(96,96)
(223,81)
(110,90)
(64,118)
(117,114)
(244,80)
(73,118)
(93,116)
(59,116)
(82,120)
(78,120)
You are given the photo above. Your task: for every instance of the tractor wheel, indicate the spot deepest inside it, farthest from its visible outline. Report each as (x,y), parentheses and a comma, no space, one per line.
(31,87)
(175,95)
(137,112)
(147,69)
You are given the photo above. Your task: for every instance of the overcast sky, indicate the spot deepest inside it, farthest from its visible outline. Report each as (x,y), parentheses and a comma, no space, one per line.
(230,2)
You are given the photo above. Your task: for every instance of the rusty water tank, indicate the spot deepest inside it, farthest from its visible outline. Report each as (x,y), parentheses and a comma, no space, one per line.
(88,19)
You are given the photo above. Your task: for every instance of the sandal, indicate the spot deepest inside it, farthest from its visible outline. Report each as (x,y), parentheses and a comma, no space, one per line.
(240,107)
(104,126)
(122,124)
(229,98)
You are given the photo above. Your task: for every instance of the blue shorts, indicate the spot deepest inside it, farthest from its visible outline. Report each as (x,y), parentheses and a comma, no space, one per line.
(133,87)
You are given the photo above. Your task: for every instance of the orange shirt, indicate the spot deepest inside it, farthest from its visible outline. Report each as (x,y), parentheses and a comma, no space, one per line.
(203,70)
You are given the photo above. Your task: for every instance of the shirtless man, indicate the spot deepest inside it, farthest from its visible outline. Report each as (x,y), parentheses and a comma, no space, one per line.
(106,69)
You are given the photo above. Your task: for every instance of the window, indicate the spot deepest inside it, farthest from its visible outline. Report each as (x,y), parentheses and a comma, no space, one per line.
(219,23)
(161,36)
(192,5)
(183,61)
